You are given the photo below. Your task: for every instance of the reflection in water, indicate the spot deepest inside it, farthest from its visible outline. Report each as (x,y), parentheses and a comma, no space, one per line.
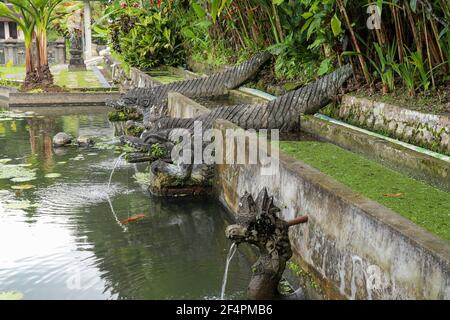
(70,244)
(40,130)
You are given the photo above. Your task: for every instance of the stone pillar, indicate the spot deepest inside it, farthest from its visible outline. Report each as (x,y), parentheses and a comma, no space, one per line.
(60,51)
(87,30)
(76,52)
(10,50)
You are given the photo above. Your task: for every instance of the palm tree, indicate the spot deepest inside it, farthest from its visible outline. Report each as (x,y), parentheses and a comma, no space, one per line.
(43,12)
(40,13)
(26,23)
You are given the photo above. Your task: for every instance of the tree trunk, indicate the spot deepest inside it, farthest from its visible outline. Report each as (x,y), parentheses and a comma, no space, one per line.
(45,77)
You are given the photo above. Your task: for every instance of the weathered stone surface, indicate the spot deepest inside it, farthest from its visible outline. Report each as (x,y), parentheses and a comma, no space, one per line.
(259,225)
(84,141)
(153,101)
(282,113)
(426,130)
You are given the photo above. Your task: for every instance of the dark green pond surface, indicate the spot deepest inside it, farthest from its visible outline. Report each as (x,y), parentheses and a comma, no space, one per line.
(61,239)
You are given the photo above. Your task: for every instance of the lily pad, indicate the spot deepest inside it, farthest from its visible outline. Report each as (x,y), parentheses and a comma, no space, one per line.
(142,178)
(53,175)
(23,187)
(24,165)
(11,295)
(9,171)
(78,157)
(21,205)
(23,179)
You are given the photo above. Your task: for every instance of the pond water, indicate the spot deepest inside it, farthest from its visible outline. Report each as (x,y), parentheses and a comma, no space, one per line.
(61,237)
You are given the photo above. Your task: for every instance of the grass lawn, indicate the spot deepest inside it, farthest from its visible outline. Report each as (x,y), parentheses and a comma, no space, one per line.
(77,79)
(423,204)
(63,78)
(14,72)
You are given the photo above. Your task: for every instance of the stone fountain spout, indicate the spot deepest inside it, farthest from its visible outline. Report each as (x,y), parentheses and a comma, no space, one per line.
(259,225)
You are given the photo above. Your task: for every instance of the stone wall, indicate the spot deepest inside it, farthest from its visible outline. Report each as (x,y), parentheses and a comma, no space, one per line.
(14,50)
(140,79)
(21,99)
(426,130)
(181,106)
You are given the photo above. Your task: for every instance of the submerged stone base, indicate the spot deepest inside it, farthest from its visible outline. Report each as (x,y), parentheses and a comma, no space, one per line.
(188,191)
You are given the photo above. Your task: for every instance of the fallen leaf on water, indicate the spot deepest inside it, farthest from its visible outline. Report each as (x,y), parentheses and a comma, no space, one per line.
(393,194)
(133,218)
(11,295)
(23,187)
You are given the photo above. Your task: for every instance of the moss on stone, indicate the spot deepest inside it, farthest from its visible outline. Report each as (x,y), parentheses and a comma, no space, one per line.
(123,116)
(134,131)
(425,205)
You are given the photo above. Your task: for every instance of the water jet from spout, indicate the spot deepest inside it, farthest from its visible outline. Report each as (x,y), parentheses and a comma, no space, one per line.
(230,255)
(114,168)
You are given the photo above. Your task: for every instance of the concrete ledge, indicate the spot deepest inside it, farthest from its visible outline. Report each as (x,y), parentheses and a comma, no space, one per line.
(181,106)
(407,161)
(140,79)
(19,99)
(356,248)
(426,130)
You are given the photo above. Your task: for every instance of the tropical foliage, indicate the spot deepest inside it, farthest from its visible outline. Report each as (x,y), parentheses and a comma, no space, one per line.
(145,36)
(34,18)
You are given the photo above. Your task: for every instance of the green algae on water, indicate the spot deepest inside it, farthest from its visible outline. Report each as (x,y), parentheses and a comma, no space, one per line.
(425,205)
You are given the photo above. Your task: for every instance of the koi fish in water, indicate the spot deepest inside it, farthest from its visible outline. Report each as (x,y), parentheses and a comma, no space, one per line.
(134,218)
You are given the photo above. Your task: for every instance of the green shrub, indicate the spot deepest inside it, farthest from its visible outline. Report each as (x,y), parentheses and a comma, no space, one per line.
(146,39)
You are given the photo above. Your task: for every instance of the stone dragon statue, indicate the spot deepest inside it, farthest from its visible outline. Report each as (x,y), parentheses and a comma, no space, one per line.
(257,223)
(159,138)
(152,102)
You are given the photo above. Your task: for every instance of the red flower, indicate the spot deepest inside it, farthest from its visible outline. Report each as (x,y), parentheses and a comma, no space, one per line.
(123,5)
(136,5)
(159,3)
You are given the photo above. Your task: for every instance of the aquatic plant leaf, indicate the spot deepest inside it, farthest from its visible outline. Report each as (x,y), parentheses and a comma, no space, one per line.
(24,165)
(53,175)
(142,178)
(104,146)
(23,187)
(6,160)
(9,171)
(21,205)
(23,179)
(393,194)
(61,162)
(11,295)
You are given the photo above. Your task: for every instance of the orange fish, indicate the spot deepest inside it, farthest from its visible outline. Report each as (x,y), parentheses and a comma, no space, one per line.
(134,218)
